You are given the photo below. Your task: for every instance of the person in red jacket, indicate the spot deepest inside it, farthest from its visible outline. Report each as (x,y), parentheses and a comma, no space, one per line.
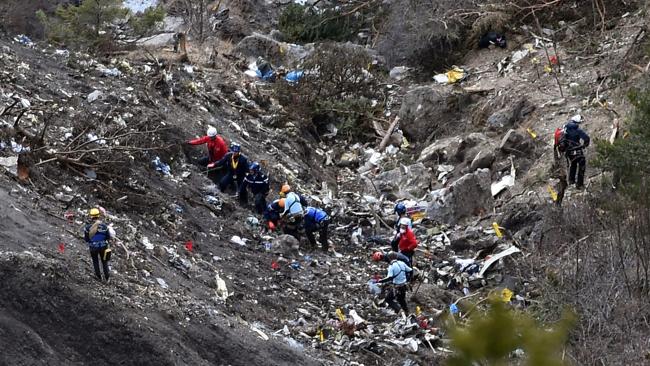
(407,242)
(217,147)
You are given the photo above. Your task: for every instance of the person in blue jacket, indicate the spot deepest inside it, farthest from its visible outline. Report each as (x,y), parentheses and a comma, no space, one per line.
(97,235)
(314,220)
(397,276)
(236,167)
(272,215)
(574,141)
(258,183)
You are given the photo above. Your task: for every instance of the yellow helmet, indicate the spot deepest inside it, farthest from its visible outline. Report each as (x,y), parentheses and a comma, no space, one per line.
(94,212)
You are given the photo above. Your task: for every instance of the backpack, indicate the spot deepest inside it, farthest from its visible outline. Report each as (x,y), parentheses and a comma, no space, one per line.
(561,142)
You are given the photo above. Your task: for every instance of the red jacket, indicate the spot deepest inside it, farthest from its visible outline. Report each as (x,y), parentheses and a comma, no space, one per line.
(407,241)
(217,147)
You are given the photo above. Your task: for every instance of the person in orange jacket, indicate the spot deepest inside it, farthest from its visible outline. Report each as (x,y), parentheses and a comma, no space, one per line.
(217,147)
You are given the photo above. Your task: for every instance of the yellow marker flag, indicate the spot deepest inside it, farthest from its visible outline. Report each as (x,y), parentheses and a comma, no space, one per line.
(506,295)
(322,335)
(339,313)
(497,230)
(552,192)
(548,69)
(531,133)
(418,311)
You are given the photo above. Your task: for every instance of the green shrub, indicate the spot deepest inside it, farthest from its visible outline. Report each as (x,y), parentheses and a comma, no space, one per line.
(628,158)
(491,337)
(148,21)
(307,24)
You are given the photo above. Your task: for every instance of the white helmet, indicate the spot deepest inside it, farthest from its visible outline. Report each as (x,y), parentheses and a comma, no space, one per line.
(405,221)
(212,132)
(576,119)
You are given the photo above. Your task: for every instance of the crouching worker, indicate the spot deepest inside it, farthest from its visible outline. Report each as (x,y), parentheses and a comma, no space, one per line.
(397,277)
(97,234)
(384,257)
(292,214)
(314,220)
(272,215)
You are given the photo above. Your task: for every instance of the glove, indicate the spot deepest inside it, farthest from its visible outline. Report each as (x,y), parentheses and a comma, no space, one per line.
(271,225)
(211,165)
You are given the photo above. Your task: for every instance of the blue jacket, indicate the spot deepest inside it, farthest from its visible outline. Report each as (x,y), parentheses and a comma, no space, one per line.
(397,272)
(573,134)
(237,167)
(259,183)
(292,205)
(272,212)
(313,218)
(100,239)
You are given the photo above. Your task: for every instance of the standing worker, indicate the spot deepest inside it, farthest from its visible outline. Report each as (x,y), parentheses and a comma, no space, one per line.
(236,166)
(397,276)
(405,241)
(572,141)
(97,234)
(217,147)
(400,210)
(259,186)
(314,220)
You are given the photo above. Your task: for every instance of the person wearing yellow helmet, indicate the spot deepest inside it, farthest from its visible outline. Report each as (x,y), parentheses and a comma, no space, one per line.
(97,235)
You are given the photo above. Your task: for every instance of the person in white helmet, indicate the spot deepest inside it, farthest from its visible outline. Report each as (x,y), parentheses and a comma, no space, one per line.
(217,147)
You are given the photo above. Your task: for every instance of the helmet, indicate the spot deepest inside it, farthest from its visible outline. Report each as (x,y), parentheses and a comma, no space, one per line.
(400,208)
(285,189)
(255,166)
(576,119)
(94,212)
(235,147)
(281,203)
(212,132)
(404,221)
(377,256)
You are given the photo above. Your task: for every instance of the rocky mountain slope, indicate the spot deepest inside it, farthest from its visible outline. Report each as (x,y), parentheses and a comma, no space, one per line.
(196,282)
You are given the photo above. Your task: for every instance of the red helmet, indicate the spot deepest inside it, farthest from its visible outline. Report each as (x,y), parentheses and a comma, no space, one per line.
(377,256)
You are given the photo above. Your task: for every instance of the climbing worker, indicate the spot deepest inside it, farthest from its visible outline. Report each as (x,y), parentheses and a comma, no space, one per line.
(97,234)
(272,215)
(217,147)
(572,141)
(236,167)
(258,183)
(381,256)
(397,276)
(286,188)
(292,214)
(405,241)
(314,220)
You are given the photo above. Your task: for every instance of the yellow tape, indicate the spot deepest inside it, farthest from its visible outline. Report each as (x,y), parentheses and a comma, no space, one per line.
(552,192)
(531,133)
(322,335)
(506,295)
(418,311)
(497,230)
(339,313)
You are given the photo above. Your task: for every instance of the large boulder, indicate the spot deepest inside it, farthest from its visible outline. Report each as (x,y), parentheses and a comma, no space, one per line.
(457,149)
(515,142)
(508,116)
(426,109)
(441,151)
(411,181)
(467,196)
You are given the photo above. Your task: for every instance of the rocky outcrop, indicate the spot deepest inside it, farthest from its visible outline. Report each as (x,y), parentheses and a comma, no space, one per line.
(516,142)
(411,181)
(467,196)
(426,109)
(508,116)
